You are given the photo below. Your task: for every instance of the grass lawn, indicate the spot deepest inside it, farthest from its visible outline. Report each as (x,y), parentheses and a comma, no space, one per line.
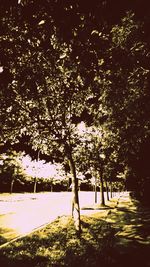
(58,245)
(119,239)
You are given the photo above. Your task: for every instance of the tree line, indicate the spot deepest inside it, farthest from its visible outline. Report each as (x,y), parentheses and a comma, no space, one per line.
(75,80)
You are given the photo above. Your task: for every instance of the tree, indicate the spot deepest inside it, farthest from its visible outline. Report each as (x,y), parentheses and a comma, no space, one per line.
(58,74)
(45,173)
(46,93)
(11,170)
(121,83)
(91,151)
(132,76)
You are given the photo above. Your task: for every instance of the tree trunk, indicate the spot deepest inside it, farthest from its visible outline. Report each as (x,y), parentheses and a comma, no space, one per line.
(102,189)
(111,194)
(35,183)
(75,197)
(107,191)
(11,186)
(95,190)
(35,180)
(51,188)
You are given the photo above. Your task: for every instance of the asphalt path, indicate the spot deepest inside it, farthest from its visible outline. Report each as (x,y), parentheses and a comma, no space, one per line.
(20,214)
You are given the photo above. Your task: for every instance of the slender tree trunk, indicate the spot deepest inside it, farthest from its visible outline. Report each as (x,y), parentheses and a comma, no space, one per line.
(107,190)
(11,186)
(102,188)
(111,193)
(75,197)
(35,180)
(51,188)
(35,184)
(95,190)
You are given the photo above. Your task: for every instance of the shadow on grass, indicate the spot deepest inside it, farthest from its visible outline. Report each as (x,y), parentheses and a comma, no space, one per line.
(132,238)
(2,240)
(58,245)
(123,239)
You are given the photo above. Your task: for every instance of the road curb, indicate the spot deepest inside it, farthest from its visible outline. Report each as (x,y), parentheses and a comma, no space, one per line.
(24,235)
(108,211)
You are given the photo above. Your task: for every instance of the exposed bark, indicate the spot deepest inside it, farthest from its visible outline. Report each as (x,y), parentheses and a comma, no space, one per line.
(107,190)
(35,185)
(51,187)
(35,180)
(102,188)
(75,197)
(95,190)
(11,186)
(111,191)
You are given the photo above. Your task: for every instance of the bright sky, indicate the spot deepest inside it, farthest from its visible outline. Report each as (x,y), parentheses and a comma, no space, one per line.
(1,69)
(41,169)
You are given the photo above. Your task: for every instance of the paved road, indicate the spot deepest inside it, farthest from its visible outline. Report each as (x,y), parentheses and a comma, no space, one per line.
(22,213)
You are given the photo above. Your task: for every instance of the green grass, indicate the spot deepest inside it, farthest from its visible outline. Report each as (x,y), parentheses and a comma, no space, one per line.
(58,245)
(115,241)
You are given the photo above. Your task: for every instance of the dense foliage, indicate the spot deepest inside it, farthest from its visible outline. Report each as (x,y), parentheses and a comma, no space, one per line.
(62,63)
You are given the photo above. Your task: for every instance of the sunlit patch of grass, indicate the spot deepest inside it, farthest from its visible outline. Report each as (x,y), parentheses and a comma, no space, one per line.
(58,245)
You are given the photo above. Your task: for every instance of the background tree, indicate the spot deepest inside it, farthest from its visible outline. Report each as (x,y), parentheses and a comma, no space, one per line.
(122,82)
(132,77)
(11,171)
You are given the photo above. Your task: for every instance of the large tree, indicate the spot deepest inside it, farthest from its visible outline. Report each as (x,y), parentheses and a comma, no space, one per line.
(124,99)
(44,96)
(57,57)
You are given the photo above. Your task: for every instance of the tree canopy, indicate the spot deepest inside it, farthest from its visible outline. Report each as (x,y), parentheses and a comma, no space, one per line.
(63,63)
